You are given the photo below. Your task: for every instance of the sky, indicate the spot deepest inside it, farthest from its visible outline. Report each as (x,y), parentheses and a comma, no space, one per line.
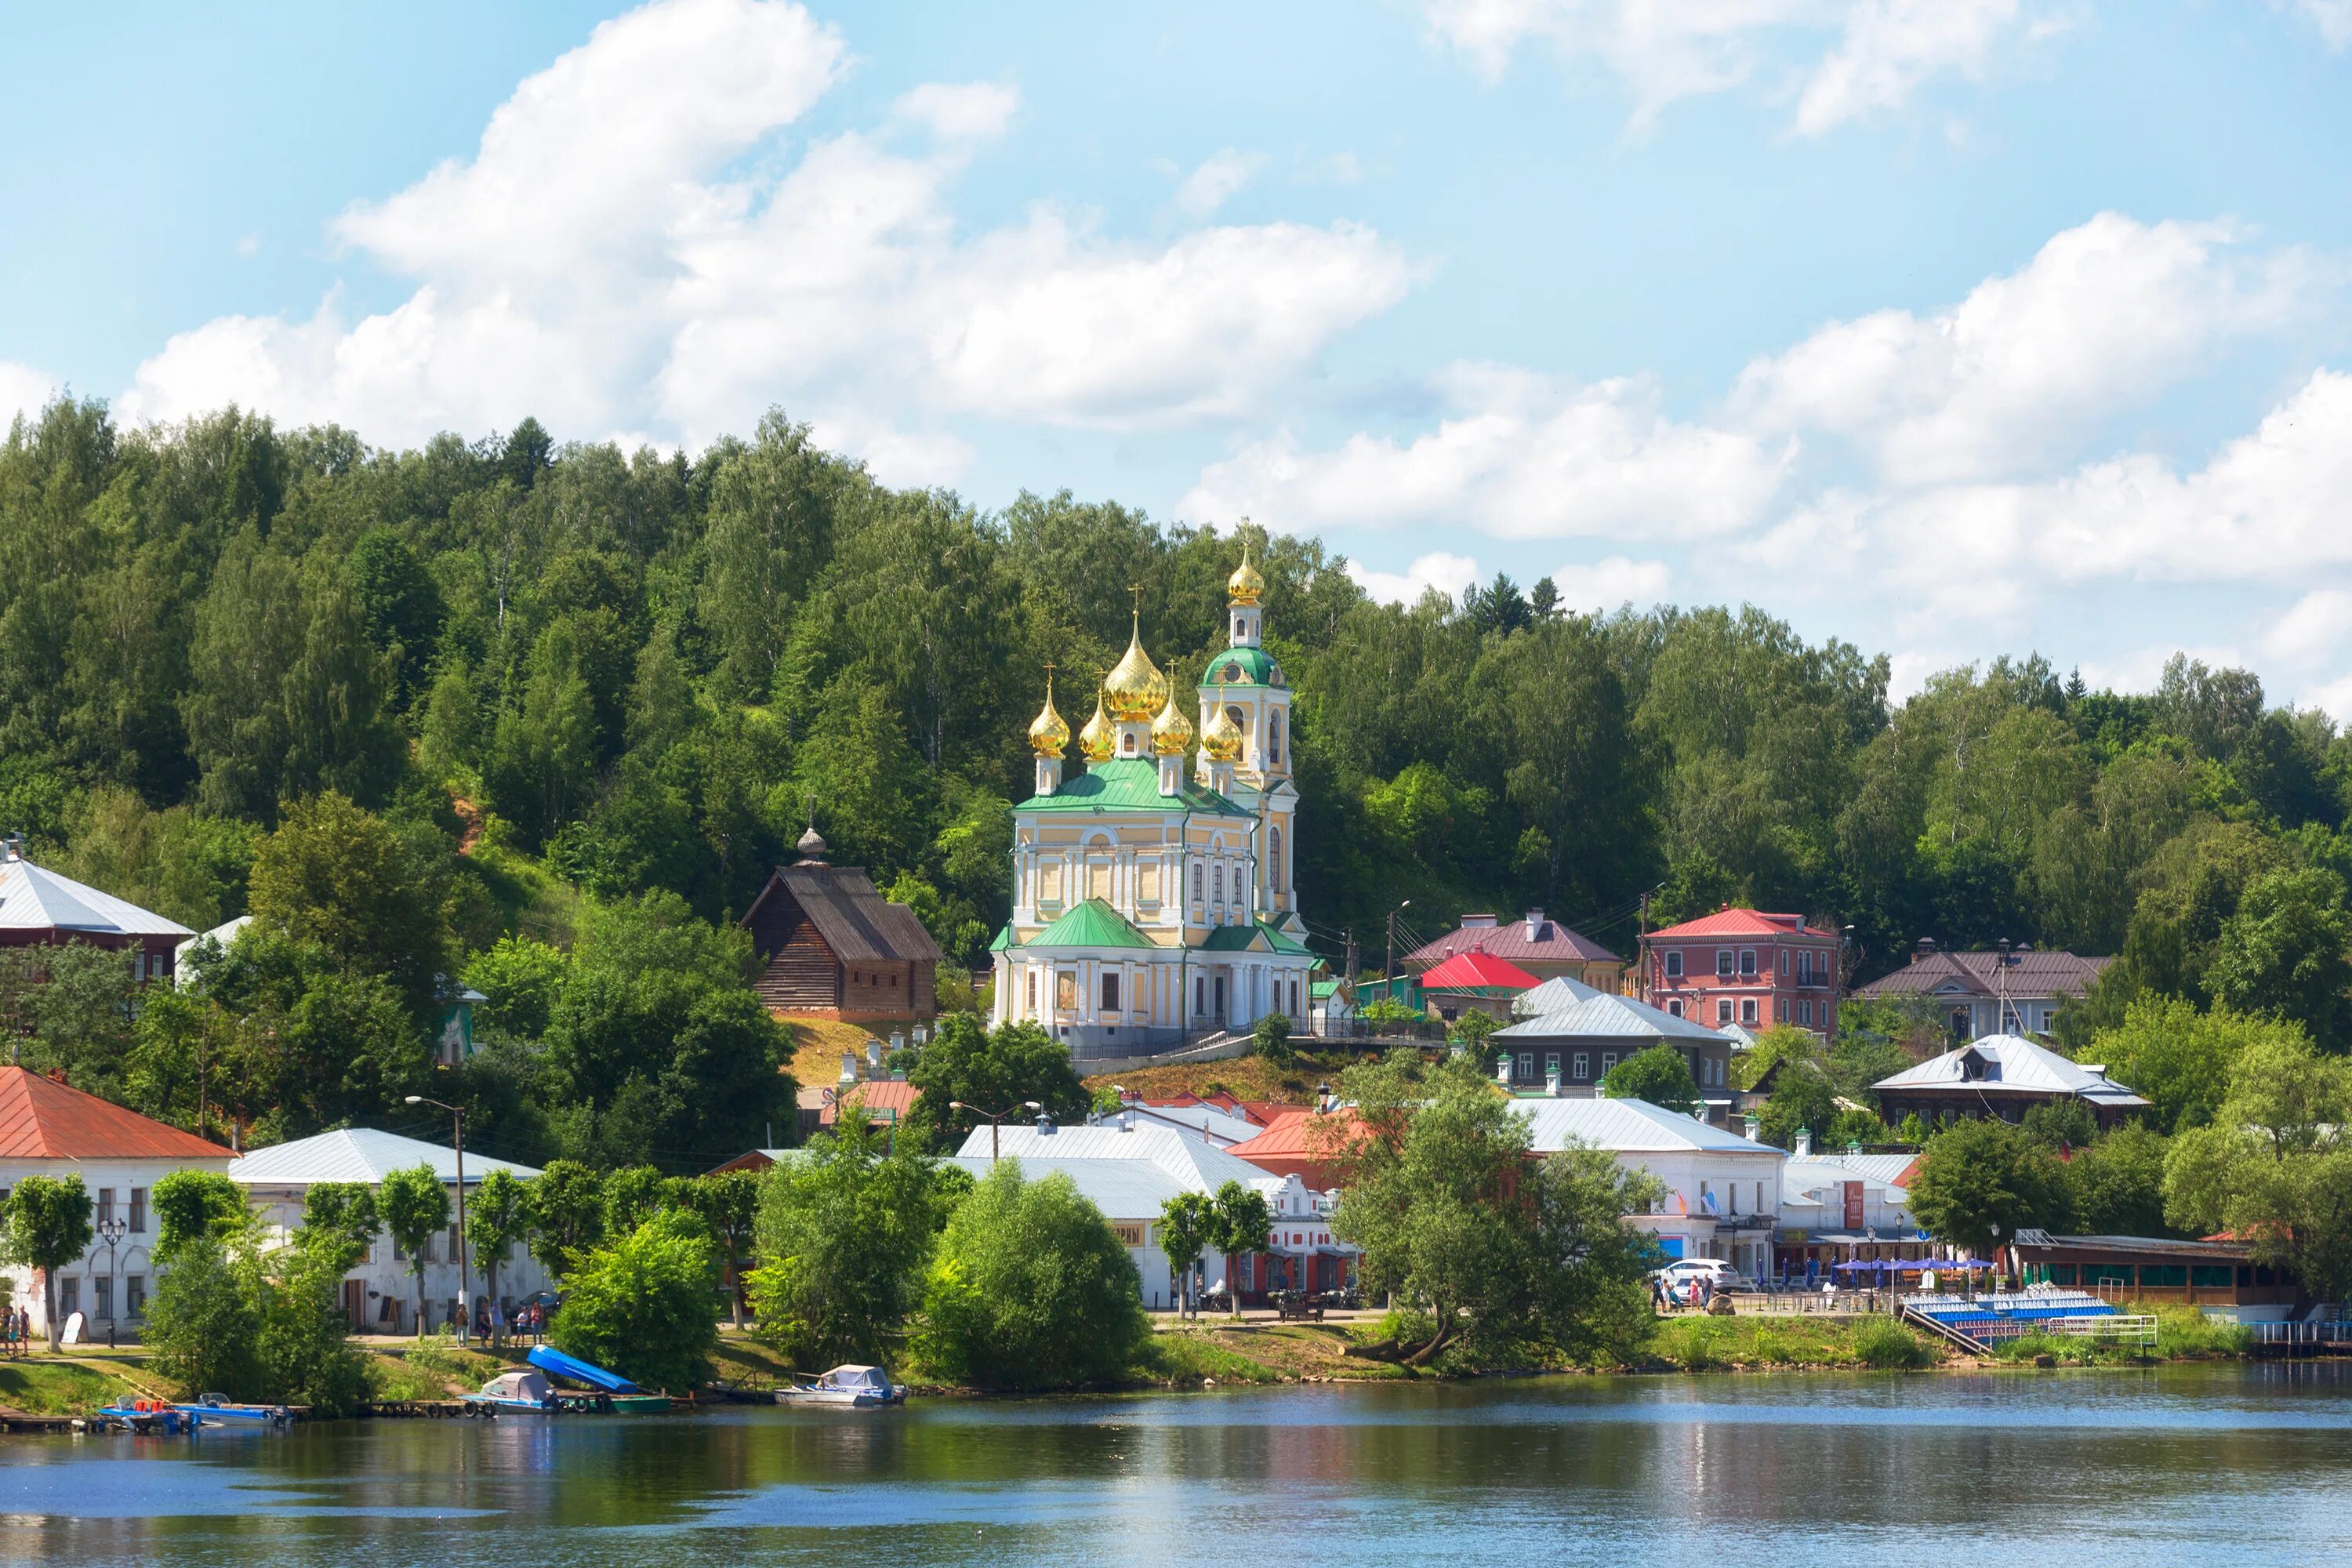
(1949,328)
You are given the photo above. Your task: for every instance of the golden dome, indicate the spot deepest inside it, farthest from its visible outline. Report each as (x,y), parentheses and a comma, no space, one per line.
(1134,689)
(1222,739)
(1171,731)
(1096,741)
(1047,733)
(1245,585)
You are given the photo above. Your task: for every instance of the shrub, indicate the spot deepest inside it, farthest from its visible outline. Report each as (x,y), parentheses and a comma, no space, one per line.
(1887,1345)
(201,1324)
(1030,1290)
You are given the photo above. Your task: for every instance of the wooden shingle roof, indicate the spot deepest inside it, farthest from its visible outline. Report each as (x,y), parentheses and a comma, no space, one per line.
(857,922)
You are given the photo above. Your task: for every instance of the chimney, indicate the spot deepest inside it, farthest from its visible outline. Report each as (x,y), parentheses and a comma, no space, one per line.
(1127,1122)
(1927,949)
(1535,925)
(1551,1084)
(1045,1125)
(1753,1129)
(849,1068)
(873,1057)
(922,1036)
(14,844)
(1503,1069)
(1805,1141)
(57,1075)
(898,1041)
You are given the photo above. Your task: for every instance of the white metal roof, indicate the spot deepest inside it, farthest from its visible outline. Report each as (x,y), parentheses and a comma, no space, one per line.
(1600,1016)
(1628,1127)
(1810,1172)
(1218,1128)
(1193,1162)
(34,898)
(1999,1062)
(359,1155)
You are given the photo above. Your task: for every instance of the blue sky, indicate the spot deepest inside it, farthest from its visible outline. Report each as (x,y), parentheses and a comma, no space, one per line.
(1949,327)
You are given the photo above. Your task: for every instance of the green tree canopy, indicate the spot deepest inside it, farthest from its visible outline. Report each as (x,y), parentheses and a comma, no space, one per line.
(49,1226)
(1980,1181)
(993,1070)
(415,1207)
(1029,1288)
(644,1306)
(1659,1075)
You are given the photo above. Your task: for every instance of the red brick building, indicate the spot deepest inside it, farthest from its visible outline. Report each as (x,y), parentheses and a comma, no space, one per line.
(1744,967)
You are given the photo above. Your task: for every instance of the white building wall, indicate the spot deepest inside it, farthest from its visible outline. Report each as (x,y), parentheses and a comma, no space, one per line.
(381,1276)
(100,1272)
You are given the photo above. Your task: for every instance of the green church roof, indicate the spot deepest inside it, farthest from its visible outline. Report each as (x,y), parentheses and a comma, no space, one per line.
(1003,941)
(1241,938)
(1130,784)
(1091,924)
(1243,666)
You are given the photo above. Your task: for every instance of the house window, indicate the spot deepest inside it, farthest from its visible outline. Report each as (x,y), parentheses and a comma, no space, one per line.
(1723,963)
(1526,1064)
(102,1291)
(1608,1063)
(1784,961)
(1583,1065)
(134,1296)
(1110,991)
(455,1238)
(1748,1009)
(1748,963)
(138,1210)
(1675,1006)
(1805,1014)
(1551,1064)
(1723,1009)
(1759,1197)
(1780,1009)
(68,1297)
(1674,963)
(105,1205)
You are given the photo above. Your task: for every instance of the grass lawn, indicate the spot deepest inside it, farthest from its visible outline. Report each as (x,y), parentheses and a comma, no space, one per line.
(1245,1078)
(1702,1343)
(40,1387)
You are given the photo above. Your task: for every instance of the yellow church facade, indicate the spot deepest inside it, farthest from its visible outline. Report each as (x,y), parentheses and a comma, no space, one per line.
(1153,899)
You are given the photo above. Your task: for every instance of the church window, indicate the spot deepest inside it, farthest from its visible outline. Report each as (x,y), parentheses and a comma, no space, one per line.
(1110,991)
(1274,857)
(1274,737)
(1033,991)
(1196,881)
(1066,990)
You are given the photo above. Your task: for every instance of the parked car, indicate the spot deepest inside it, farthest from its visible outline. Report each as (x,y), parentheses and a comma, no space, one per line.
(1715,1271)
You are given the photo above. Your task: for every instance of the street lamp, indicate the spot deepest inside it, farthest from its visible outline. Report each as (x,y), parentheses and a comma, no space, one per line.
(995,1123)
(111,1230)
(457,1121)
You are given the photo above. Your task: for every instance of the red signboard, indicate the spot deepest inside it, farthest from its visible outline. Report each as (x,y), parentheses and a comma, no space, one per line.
(1853,1206)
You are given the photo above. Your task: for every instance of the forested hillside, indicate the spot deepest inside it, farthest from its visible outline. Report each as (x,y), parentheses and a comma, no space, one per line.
(555,678)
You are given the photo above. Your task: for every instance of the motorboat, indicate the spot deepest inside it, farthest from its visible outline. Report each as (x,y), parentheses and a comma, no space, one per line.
(151,1415)
(844,1388)
(214,1408)
(520,1393)
(614,1391)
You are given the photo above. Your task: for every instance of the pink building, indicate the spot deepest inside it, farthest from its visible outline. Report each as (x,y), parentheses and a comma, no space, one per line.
(1744,967)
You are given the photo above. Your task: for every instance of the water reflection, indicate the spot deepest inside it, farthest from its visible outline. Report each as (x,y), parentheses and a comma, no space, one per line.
(2104,1468)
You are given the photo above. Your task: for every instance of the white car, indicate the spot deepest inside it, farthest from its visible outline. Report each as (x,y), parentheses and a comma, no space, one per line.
(1685,1271)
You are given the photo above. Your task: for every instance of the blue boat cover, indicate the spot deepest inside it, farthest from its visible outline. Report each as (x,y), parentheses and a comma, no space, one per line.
(554,1363)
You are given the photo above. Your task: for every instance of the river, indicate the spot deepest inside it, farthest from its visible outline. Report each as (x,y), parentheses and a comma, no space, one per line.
(2216,1463)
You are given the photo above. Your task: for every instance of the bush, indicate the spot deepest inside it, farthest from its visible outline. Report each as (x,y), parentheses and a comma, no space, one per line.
(645,1307)
(304,1354)
(1271,1040)
(1030,1290)
(1888,1346)
(201,1324)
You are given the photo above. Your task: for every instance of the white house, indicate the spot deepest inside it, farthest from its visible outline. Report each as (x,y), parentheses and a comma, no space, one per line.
(380,1294)
(1129,1171)
(1836,1208)
(1722,1191)
(50,1129)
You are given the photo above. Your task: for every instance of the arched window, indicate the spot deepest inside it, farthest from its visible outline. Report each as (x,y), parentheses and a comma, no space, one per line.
(1274,857)
(1273,736)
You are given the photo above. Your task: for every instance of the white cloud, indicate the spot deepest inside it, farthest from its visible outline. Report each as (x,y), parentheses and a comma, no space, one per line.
(1663,50)
(1518,457)
(1219,176)
(629,250)
(2319,625)
(23,390)
(2014,377)
(1449,574)
(2331,17)
(2335,700)
(1609,581)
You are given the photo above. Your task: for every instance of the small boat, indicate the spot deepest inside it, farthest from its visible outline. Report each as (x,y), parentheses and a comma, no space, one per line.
(216,1408)
(844,1388)
(520,1393)
(617,1393)
(145,1415)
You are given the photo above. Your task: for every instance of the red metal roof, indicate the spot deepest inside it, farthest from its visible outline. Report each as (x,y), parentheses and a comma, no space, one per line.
(41,1119)
(885,1099)
(1742,923)
(1293,1135)
(1477,970)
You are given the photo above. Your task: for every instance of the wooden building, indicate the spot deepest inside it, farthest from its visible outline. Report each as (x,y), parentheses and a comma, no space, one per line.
(38,908)
(2216,1274)
(830,946)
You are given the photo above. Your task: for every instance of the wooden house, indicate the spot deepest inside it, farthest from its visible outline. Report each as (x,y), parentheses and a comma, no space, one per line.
(830,946)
